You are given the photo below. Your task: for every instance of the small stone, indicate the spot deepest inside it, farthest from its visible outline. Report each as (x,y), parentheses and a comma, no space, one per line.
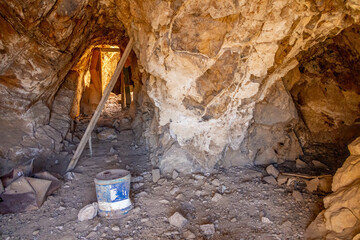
(265,220)
(270,180)
(217,197)
(115,228)
(175,174)
(178,220)
(155,175)
(92,235)
(312,185)
(144,220)
(222,188)
(319,164)
(297,195)
(207,229)
(107,134)
(112,150)
(180,196)
(198,176)
(36,232)
(215,182)
(189,235)
(300,164)
(137,179)
(271,170)
(282,179)
(174,190)
(88,212)
(137,186)
(164,201)
(233,220)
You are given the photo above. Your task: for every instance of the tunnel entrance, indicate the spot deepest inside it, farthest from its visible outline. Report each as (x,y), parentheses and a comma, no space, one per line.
(102,64)
(325,87)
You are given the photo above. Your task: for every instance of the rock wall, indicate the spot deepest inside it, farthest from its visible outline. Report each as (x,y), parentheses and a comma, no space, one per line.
(340,219)
(212,64)
(209,68)
(325,87)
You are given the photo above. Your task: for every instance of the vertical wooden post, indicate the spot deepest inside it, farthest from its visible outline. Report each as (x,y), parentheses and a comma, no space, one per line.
(99,108)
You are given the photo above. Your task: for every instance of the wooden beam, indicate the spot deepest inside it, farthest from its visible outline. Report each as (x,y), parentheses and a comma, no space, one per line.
(110,49)
(100,107)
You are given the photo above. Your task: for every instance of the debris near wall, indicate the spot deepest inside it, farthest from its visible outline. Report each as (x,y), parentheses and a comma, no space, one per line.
(22,193)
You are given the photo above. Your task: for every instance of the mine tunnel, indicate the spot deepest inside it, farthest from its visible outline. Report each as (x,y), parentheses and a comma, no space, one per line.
(223,119)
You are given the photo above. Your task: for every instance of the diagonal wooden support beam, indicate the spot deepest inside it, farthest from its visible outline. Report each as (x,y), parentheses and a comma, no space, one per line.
(100,107)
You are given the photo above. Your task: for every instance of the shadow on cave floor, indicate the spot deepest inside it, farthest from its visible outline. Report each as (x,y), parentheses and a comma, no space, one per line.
(321,159)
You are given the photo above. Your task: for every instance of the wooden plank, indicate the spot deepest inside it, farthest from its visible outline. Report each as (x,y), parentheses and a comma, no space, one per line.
(110,49)
(99,108)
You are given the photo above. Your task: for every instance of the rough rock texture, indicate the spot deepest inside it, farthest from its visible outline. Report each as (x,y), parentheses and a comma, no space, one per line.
(340,219)
(208,69)
(206,82)
(326,90)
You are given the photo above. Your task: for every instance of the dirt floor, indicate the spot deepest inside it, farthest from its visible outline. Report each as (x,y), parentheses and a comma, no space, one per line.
(244,207)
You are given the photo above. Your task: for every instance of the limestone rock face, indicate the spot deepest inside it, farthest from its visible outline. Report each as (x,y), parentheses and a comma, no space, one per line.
(212,65)
(208,69)
(340,219)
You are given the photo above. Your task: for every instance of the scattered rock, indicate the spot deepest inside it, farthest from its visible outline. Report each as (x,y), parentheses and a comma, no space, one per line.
(233,220)
(178,220)
(265,220)
(115,228)
(137,186)
(174,190)
(155,175)
(88,212)
(298,196)
(319,164)
(112,150)
(300,164)
(36,232)
(215,182)
(217,197)
(189,235)
(207,229)
(107,134)
(91,235)
(271,170)
(270,180)
(175,174)
(164,201)
(282,179)
(312,185)
(137,179)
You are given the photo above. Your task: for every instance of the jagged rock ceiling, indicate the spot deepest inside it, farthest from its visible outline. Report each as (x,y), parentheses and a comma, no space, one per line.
(207,64)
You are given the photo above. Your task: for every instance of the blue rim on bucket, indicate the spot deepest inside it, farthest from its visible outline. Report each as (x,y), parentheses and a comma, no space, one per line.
(112,191)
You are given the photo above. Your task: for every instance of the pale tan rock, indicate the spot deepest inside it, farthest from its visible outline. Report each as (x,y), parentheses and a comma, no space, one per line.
(354,147)
(348,173)
(282,179)
(271,170)
(312,185)
(270,180)
(300,164)
(298,196)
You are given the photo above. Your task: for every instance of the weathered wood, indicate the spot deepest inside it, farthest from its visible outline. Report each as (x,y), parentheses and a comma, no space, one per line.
(100,107)
(305,176)
(110,49)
